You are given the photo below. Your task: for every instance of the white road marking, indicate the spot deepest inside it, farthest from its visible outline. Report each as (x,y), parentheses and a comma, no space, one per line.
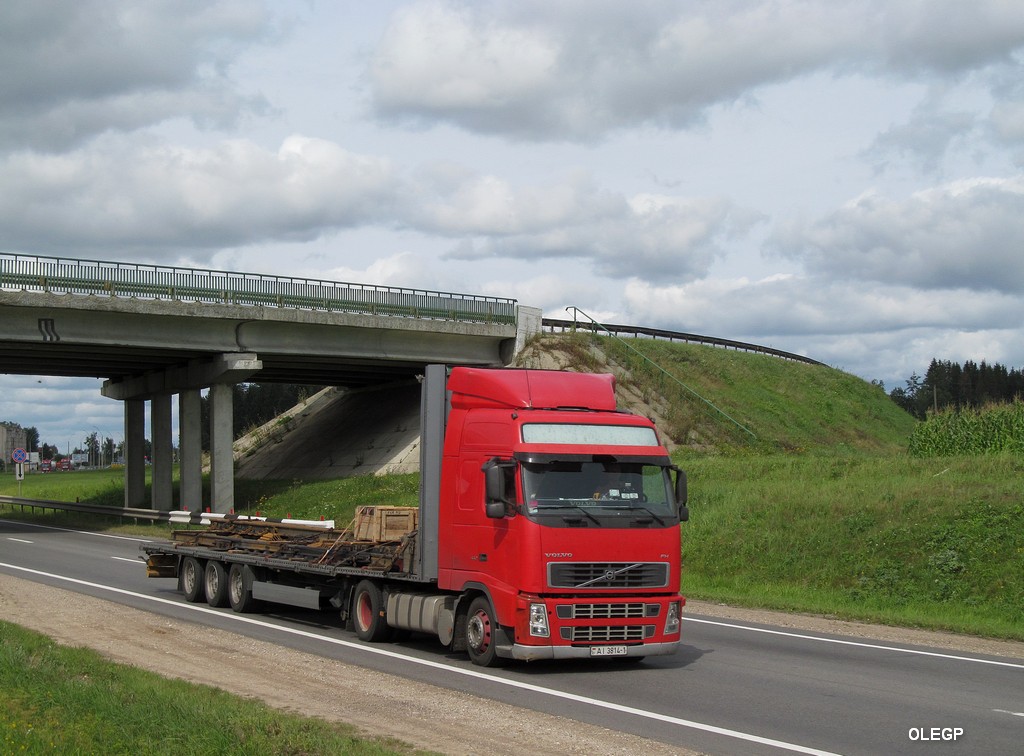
(133,561)
(597,703)
(1011,713)
(19,540)
(81,532)
(861,644)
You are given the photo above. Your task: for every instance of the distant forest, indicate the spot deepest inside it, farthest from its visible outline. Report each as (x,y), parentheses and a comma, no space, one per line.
(951,385)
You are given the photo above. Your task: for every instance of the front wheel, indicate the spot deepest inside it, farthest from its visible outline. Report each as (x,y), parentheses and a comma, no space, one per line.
(482,634)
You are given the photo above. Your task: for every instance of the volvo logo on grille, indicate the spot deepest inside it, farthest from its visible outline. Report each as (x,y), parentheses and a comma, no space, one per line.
(610,575)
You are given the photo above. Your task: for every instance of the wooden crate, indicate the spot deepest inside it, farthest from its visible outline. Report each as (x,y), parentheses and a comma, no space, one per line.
(384,523)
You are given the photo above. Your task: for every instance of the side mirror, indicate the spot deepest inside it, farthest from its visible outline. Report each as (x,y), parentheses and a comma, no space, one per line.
(494,489)
(681,495)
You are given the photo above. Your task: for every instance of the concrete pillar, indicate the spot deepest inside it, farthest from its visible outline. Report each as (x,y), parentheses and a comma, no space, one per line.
(190,451)
(529,322)
(222,464)
(163,454)
(135,453)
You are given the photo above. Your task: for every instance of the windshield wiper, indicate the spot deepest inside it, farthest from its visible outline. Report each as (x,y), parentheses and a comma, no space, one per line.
(660,521)
(563,504)
(582,509)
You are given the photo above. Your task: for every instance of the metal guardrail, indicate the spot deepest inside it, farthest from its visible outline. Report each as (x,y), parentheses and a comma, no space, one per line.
(78,507)
(177,517)
(660,333)
(116,279)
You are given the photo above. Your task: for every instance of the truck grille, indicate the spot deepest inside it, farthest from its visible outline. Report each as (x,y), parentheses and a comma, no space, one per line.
(608,574)
(606,611)
(607,633)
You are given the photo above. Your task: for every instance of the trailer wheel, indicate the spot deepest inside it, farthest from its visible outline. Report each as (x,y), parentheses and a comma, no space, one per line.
(368,613)
(239,596)
(216,581)
(481,634)
(192,579)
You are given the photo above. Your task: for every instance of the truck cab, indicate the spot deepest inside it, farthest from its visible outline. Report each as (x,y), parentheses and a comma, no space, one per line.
(562,514)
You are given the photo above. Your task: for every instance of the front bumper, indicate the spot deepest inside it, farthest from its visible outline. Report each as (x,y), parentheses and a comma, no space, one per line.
(537,653)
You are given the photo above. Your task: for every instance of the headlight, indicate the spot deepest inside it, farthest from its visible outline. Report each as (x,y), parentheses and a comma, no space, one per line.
(539,621)
(672,621)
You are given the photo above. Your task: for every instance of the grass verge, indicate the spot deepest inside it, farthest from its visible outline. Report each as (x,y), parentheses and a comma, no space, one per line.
(71,700)
(935,543)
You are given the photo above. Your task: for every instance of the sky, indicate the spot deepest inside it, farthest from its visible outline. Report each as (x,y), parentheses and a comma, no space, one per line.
(842,179)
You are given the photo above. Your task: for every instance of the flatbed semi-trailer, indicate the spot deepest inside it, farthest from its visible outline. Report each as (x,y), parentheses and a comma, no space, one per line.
(548,527)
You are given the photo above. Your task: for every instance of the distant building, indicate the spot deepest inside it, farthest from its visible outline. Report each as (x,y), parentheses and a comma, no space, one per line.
(12,436)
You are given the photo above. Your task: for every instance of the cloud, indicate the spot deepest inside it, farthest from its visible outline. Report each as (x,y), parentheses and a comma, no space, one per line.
(140,200)
(653,237)
(117,195)
(790,305)
(63,410)
(76,70)
(926,137)
(964,235)
(580,70)
(1007,115)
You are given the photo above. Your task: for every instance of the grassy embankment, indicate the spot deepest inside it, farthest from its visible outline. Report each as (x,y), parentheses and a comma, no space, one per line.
(70,700)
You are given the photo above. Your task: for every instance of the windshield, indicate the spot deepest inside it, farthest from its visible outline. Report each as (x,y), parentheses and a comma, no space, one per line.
(597,487)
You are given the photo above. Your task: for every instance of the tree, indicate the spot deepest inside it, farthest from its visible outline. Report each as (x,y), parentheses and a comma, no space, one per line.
(92,448)
(949,384)
(914,398)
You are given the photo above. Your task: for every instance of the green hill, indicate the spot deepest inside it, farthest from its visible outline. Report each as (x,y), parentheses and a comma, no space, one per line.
(711,399)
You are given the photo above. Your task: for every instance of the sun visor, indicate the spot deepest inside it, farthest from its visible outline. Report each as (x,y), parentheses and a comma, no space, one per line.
(531,389)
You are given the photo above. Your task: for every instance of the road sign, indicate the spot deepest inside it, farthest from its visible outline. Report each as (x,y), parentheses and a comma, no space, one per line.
(19,456)
(19,474)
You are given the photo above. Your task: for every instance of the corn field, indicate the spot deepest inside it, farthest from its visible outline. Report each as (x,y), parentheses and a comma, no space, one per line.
(992,429)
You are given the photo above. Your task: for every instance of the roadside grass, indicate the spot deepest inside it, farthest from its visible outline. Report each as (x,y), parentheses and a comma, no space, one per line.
(71,700)
(101,486)
(935,543)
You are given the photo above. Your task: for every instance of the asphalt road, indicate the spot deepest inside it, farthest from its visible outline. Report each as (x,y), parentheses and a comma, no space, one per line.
(734,688)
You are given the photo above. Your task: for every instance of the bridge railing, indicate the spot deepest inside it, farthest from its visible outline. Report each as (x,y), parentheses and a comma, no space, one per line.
(553,324)
(118,279)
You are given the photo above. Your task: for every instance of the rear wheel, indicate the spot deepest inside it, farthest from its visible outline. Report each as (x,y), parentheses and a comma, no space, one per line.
(482,634)
(216,580)
(239,596)
(368,612)
(192,579)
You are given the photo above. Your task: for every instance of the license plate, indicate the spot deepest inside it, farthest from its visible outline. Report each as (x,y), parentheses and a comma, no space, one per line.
(607,650)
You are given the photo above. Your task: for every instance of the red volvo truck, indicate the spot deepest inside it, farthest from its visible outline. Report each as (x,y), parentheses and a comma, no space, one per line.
(548,528)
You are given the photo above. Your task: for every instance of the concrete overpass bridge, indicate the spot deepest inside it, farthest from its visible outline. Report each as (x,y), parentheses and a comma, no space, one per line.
(156,332)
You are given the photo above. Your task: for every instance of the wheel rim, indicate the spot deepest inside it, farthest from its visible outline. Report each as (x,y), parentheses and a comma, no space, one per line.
(212,582)
(191,578)
(235,587)
(479,632)
(364,611)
